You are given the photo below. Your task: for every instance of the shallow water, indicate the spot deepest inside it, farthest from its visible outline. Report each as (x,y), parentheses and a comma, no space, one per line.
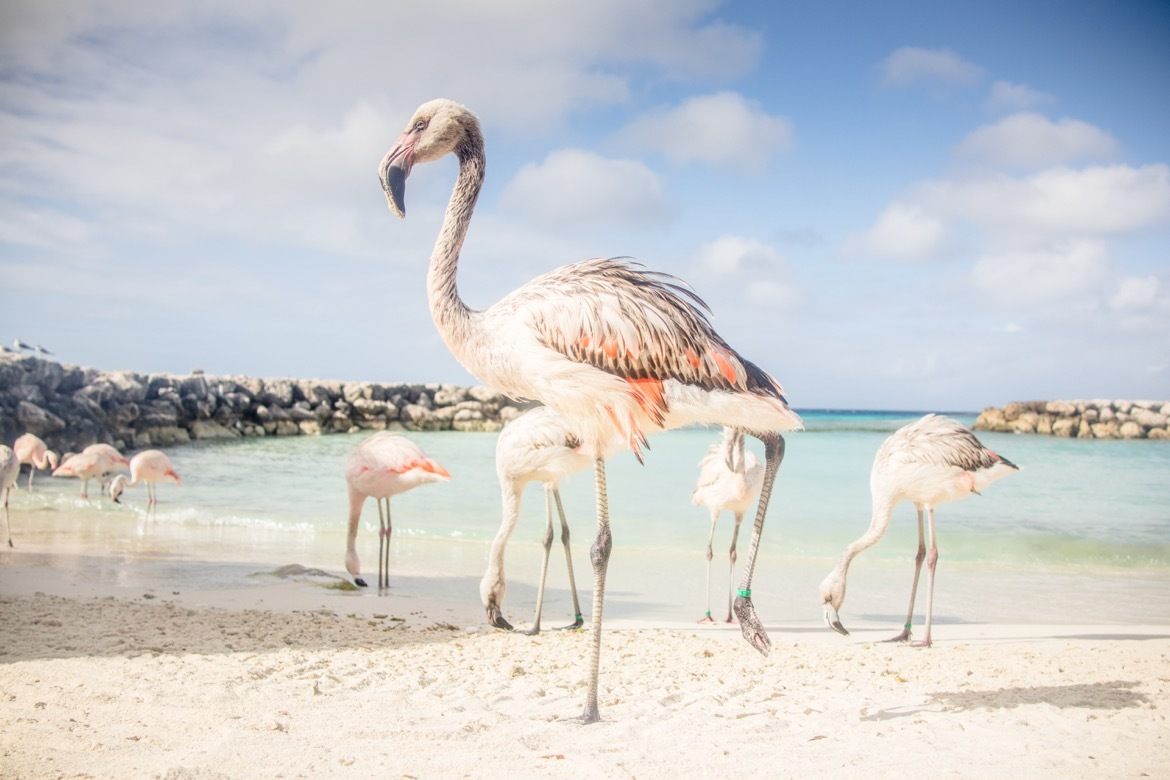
(1085,525)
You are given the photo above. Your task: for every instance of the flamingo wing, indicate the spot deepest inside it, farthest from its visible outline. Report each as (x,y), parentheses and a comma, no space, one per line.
(941,441)
(642,326)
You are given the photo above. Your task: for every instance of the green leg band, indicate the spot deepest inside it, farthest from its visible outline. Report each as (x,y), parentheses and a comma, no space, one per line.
(744,593)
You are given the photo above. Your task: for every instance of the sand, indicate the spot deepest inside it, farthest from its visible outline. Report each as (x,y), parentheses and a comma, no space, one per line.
(153,683)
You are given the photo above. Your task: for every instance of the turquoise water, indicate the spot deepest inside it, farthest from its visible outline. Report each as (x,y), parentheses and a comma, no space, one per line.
(1092,502)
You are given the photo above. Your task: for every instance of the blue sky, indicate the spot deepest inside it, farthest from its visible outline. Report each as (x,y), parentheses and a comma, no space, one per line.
(897,205)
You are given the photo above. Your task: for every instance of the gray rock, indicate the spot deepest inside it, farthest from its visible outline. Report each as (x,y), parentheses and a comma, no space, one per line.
(1130,430)
(1065,426)
(1147,418)
(1060,408)
(450,395)
(1105,430)
(37,420)
(209,429)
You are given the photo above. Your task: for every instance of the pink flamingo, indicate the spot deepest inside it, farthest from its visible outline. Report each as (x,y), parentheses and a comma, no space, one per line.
(729,479)
(83,465)
(30,449)
(9,472)
(149,467)
(382,466)
(109,459)
(613,348)
(928,462)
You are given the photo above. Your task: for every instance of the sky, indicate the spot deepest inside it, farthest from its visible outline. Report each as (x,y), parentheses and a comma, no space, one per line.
(904,205)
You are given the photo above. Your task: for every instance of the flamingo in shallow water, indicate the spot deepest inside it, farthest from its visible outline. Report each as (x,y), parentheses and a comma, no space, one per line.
(537,445)
(613,348)
(928,462)
(149,467)
(83,465)
(109,460)
(30,449)
(9,471)
(729,480)
(382,466)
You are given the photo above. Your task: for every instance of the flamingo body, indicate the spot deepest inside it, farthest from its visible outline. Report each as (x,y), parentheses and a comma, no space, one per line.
(730,478)
(613,348)
(149,467)
(383,466)
(929,462)
(83,465)
(30,449)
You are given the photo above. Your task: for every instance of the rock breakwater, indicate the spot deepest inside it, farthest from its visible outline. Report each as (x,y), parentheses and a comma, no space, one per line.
(1097,419)
(71,407)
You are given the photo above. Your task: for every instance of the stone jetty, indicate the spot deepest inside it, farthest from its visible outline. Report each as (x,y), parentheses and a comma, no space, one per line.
(71,407)
(1098,419)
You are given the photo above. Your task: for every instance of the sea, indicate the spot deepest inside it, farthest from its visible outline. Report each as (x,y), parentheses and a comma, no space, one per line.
(1081,534)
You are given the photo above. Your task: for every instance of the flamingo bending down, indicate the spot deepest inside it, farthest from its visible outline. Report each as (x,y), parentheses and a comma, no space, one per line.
(928,462)
(382,466)
(613,348)
(109,460)
(149,466)
(729,479)
(9,471)
(537,445)
(30,449)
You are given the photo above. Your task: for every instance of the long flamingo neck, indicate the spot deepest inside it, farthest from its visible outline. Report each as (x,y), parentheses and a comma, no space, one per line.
(883,510)
(451,315)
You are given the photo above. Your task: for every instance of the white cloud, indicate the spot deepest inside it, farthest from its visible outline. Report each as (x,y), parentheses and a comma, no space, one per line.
(1096,200)
(1033,141)
(911,65)
(1050,273)
(753,270)
(573,186)
(1008,97)
(903,231)
(770,293)
(1135,293)
(721,129)
(729,255)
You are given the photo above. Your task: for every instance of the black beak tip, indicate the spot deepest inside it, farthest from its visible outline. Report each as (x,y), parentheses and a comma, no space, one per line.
(395,188)
(359,582)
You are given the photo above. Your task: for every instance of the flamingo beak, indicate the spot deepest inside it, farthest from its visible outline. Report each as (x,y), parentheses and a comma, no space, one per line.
(393,171)
(833,621)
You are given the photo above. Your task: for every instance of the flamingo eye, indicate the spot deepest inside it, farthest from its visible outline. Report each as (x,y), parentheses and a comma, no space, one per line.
(420,125)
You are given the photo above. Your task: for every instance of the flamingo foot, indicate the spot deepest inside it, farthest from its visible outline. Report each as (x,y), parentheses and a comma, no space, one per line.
(706,618)
(924,643)
(750,625)
(496,618)
(360,582)
(730,618)
(590,715)
(9,542)
(575,625)
(902,637)
(534,631)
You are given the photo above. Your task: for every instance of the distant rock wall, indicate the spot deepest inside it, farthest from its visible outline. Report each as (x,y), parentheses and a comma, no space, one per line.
(1099,419)
(71,407)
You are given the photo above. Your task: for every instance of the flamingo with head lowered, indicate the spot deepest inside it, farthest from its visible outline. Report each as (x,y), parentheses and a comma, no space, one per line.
(30,449)
(928,462)
(149,467)
(613,348)
(383,466)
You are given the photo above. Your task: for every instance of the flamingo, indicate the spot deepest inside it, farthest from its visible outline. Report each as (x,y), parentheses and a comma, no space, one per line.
(30,449)
(9,471)
(83,465)
(537,445)
(109,460)
(382,466)
(928,462)
(615,349)
(729,479)
(150,467)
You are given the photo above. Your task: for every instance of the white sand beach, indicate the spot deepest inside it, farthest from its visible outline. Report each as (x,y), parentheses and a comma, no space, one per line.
(149,682)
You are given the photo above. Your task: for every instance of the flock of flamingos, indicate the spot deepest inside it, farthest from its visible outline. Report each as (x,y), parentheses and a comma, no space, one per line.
(615,353)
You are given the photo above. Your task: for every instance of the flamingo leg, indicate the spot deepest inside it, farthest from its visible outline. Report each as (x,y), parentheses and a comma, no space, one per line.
(32,469)
(918,559)
(599,557)
(749,623)
(547,544)
(731,572)
(931,562)
(578,621)
(381,546)
(7,519)
(85,488)
(710,554)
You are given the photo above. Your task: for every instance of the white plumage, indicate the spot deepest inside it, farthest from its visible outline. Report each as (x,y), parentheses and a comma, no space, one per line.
(928,462)
(730,477)
(9,471)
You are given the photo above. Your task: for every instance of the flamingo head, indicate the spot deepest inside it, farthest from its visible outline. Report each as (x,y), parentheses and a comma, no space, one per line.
(437,128)
(52,457)
(832,597)
(117,487)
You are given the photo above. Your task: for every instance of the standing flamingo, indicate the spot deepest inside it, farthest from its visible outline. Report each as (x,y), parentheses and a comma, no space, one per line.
(613,348)
(83,465)
(927,462)
(150,467)
(729,479)
(382,466)
(537,445)
(9,471)
(109,460)
(30,449)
